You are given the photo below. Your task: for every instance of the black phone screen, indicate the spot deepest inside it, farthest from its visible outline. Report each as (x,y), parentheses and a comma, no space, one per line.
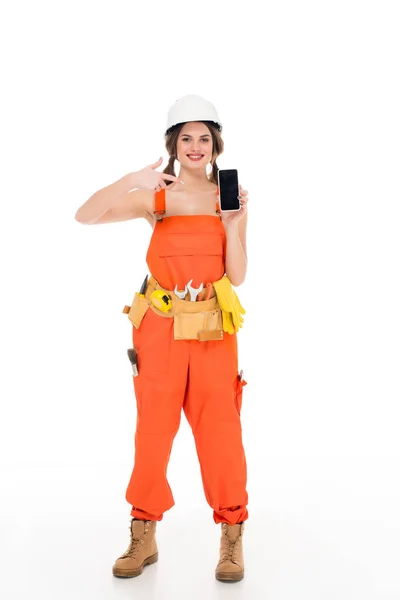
(228,189)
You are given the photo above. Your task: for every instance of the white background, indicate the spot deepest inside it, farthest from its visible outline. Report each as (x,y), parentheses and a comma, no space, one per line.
(309,96)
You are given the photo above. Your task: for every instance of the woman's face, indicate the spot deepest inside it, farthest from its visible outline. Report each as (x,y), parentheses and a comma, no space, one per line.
(194,145)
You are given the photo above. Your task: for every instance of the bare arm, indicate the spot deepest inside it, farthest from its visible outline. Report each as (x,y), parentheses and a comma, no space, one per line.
(236,251)
(118,201)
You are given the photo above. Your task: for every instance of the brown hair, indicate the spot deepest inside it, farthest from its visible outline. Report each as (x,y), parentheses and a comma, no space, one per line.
(171,139)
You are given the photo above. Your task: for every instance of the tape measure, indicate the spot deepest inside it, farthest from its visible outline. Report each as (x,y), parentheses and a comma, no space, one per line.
(161,300)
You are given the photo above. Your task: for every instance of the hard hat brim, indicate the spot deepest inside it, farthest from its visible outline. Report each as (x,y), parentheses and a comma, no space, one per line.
(216,125)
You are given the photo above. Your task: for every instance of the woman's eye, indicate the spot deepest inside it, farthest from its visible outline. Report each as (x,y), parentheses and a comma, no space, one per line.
(187,139)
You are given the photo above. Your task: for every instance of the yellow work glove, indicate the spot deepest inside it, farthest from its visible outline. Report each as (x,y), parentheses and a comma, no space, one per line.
(227,323)
(230,305)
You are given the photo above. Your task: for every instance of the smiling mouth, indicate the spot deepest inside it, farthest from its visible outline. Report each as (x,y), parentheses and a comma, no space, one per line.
(195,156)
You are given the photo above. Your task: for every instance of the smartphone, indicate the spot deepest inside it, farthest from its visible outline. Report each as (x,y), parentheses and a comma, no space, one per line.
(228,185)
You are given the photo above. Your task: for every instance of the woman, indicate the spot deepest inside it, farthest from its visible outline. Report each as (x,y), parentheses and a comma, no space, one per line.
(193,244)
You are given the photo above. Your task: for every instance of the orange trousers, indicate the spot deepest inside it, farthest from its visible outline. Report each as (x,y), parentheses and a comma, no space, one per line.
(202,379)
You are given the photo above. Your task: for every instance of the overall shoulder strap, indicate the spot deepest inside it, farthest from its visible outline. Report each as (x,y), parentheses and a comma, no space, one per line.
(159,204)
(217,207)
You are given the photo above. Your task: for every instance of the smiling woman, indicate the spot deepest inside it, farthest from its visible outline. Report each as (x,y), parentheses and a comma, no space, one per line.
(194,142)
(184,321)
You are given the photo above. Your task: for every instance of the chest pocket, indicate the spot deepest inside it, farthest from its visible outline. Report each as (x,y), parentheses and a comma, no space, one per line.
(191,244)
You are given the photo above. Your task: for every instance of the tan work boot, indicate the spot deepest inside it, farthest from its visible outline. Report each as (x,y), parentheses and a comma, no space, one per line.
(142,550)
(231,565)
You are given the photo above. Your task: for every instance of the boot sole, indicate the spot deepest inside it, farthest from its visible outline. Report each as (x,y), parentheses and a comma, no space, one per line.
(229,576)
(135,572)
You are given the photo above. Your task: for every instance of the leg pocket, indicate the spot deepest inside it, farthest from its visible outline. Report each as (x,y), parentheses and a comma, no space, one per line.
(240,383)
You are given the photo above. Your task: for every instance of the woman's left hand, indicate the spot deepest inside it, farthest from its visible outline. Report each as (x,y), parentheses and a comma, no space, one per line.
(230,217)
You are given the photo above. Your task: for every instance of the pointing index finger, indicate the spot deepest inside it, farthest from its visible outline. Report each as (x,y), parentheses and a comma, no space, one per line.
(169,177)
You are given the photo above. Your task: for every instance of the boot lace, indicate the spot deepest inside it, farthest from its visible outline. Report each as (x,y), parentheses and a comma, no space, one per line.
(229,548)
(134,545)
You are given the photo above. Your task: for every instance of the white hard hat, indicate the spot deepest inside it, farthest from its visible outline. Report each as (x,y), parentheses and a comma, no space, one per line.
(192,108)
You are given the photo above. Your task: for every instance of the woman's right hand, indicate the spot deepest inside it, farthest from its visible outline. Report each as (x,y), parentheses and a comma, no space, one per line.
(150,179)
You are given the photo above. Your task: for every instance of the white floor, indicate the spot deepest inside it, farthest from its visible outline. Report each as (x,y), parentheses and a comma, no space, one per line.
(325,529)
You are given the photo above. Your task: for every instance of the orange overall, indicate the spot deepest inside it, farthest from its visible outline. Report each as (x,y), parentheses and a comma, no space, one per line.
(199,376)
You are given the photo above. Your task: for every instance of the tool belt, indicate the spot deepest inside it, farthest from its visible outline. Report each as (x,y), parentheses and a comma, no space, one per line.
(200,320)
